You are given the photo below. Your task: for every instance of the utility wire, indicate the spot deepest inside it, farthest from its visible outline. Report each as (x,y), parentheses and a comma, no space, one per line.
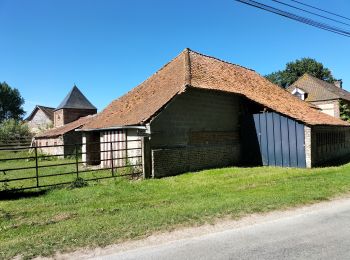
(296,17)
(322,10)
(306,11)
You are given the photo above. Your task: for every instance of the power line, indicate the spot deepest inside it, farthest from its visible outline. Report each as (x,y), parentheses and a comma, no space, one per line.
(296,17)
(322,10)
(306,11)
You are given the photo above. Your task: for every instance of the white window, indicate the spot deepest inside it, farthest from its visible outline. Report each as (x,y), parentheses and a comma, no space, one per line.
(299,93)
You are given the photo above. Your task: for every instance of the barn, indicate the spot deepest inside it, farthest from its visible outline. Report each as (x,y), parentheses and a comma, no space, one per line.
(201,112)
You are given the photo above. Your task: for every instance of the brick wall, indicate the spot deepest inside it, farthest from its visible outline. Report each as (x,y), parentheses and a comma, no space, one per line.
(198,129)
(329,143)
(167,162)
(67,115)
(58,118)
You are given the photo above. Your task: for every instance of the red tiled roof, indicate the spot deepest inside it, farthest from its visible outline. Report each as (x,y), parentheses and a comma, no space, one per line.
(54,132)
(192,69)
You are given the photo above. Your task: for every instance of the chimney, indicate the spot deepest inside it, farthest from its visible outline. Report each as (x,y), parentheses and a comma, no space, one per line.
(338,83)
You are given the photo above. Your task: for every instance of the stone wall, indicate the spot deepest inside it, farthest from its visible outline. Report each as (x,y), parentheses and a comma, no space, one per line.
(308,145)
(197,129)
(39,122)
(329,144)
(60,145)
(55,143)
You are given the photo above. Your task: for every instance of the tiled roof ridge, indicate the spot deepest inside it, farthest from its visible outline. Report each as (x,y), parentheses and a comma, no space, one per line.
(40,106)
(214,58)
(188,74)
(142,84)
(159,70)
(152,75)
(317,79)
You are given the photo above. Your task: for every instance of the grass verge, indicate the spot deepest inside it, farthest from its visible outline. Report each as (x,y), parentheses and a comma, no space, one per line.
(110,212)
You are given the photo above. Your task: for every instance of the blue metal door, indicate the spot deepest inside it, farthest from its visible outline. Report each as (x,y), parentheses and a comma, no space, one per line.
(281,140)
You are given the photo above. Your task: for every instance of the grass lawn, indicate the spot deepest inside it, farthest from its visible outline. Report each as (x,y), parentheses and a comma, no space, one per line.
(115,210)
(48,166)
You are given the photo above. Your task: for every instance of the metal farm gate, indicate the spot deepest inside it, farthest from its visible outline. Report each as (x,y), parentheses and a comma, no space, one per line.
(274,140)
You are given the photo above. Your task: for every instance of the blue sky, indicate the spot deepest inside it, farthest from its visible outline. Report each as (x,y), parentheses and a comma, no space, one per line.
(108,47)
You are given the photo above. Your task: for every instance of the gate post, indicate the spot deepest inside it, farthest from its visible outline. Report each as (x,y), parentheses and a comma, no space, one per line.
(146,157)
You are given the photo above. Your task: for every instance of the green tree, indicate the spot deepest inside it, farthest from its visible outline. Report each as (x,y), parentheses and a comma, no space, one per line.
(297,68)
(11,103)
(12,130)
(344,111)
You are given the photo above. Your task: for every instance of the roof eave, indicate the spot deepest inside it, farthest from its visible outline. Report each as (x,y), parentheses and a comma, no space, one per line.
(112,128)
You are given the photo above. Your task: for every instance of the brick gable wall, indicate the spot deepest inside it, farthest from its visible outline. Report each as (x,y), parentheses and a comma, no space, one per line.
(199,129)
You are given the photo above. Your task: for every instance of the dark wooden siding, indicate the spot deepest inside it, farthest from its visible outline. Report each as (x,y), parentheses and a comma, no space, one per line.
(281,140)
(277,140)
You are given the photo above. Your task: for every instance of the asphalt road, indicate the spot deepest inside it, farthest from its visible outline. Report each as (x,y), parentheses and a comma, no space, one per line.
(320,234)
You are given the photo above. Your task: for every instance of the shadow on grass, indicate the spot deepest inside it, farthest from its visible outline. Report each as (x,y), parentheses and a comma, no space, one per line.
(15,195)
(336,162)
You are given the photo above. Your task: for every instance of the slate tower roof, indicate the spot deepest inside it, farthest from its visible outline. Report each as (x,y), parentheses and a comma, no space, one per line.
(76,99)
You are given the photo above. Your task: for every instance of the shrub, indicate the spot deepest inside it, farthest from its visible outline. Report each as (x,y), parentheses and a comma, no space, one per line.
(12,130)
(78,183)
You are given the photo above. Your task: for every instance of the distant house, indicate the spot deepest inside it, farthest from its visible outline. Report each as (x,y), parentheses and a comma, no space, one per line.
(326,96)
(73,112)
(61,140)
(40,119)
(201,112)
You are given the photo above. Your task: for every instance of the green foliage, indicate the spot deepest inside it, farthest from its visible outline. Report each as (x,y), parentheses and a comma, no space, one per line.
(297,68)
(78,183)
(45,127)
(12,130)
(130,169)
(344,111)
(11,103)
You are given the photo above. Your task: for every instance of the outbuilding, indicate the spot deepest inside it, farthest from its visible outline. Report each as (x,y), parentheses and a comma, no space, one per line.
(201,112)
(72,113)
